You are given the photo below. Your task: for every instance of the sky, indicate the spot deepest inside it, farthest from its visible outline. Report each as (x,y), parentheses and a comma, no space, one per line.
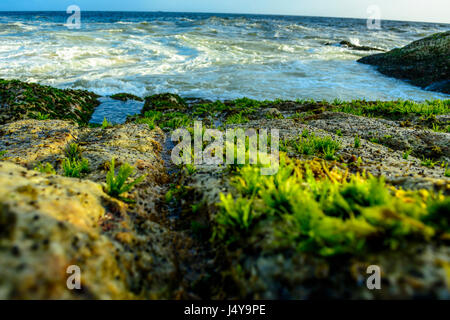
(411,10)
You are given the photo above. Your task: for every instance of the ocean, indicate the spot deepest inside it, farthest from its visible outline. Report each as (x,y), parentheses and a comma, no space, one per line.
(214,56)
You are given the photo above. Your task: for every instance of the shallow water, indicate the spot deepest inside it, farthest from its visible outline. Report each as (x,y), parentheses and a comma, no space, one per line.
(204,55)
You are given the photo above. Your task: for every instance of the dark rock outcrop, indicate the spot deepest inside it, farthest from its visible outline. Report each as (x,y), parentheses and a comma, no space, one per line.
(20,100)
(164,101)
(425,63)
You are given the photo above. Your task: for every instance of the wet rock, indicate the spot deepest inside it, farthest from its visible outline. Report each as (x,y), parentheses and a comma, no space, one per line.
(126,97)
(348,44)
(425,63)
(20,100)
(48,222)
(163,102)
(273,113)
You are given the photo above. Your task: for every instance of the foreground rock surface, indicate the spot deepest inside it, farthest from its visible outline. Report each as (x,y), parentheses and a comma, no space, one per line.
(159,240)
(49,222)
(425,63)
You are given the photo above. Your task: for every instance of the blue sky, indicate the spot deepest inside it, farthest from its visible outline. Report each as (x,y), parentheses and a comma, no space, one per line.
(416,10)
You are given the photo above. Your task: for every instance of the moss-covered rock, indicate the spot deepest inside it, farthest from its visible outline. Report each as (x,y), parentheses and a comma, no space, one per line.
(425,62)
(48,222)
(163,102)
(20,100)
(126,97)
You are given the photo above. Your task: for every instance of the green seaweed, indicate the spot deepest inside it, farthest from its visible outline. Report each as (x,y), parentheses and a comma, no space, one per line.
(116,185)
(357,142)
(106,124)
(75,168)
(393,109)
(126,97)
(310,144)
(40,116)
(31,100)
(325,211)
(73,152)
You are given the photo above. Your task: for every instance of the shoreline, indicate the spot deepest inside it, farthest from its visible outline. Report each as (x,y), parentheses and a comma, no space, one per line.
(179,232)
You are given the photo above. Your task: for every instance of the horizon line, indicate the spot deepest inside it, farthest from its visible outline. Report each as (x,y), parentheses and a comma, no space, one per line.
(231,13)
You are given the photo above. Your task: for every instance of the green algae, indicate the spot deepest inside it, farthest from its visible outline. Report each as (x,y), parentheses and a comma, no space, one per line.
(168,120)
(40,116)
(116,185)
(106,124)
(75,168)
(164,101)
(311,145)
(29,100)
(46,168)
(323,210)
(395,109)
(3,154)
(126,97)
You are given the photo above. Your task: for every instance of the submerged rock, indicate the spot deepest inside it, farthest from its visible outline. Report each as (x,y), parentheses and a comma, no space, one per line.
(425,63)
(20,100)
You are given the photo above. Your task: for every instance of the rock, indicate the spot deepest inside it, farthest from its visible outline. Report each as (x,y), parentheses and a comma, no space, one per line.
(348,44)
(49,222)
(425,63)
(273,113)
(126,97)
(163,102)
(20,100)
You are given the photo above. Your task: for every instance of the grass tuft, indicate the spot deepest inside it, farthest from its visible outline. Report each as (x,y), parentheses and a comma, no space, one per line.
(116,185)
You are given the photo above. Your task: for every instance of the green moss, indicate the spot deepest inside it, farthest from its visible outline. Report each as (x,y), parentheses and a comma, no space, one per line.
(30,100)
(426,162)
(75,168)
(116,185)
(40,116)
(162,102)
(106,124)
(73,152)
(3,154)
(406,154)
(310,144)
(237,118)
(357,143)
(395,109)
(169,120)
(126,97)
(316,209)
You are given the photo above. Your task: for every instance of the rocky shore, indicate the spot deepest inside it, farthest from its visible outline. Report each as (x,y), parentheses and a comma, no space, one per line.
(424,63)
(179,231)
